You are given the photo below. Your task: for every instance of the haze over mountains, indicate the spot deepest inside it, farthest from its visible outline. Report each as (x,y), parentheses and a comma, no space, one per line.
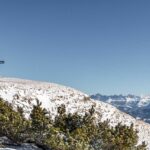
(137,106)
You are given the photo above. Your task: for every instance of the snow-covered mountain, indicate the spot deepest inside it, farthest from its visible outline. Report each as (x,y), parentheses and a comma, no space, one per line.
(137,106)
(24,93)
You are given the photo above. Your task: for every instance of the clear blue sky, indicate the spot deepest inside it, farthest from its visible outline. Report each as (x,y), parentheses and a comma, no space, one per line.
(94,46)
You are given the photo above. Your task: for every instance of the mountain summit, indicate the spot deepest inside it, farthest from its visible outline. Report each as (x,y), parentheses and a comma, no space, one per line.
(24,93)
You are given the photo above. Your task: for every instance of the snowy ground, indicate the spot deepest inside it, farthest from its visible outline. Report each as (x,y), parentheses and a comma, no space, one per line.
(24,93)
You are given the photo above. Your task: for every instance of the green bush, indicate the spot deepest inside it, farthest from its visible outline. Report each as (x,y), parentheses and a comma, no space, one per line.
(66,131)
(12,123)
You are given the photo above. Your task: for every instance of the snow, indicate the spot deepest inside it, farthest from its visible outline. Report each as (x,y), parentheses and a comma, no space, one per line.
(144,101)
(24,93)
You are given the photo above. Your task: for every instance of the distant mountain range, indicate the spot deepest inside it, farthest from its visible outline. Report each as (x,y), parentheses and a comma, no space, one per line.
(137,106)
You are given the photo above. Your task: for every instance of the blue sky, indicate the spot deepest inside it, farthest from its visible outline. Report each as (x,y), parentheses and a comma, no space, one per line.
(94,46)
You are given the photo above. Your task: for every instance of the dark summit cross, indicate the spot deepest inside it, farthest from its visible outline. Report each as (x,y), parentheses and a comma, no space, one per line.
(2,61)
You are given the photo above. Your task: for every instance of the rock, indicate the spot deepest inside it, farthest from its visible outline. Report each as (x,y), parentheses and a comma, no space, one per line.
(7,144)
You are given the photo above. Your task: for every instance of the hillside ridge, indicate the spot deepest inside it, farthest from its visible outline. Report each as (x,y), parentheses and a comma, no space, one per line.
(24,93)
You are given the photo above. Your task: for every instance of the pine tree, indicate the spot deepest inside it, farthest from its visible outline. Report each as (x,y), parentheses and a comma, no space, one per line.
(12,123)
(39,122)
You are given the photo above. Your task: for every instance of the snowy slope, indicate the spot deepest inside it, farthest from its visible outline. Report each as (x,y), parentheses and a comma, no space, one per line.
(24,93)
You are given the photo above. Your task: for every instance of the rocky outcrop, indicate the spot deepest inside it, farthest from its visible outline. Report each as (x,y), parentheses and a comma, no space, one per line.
(7,144)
